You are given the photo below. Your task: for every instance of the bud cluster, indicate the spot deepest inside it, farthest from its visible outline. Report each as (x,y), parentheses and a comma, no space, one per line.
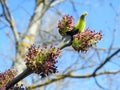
(42,61)
(81,41)
(66,24)
(5,77)
(84,40)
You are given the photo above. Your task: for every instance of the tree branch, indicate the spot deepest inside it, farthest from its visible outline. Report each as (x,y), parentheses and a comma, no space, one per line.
(56,2)
(66,41)
(24,74)
(70,75)
(105,61)
(8,16)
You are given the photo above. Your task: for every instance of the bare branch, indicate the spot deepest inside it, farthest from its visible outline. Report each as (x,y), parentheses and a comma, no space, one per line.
(4,23)
(112,42)
(74,7)
(69,75)
(100,86)
(56,2)
(8,16)
(105,61)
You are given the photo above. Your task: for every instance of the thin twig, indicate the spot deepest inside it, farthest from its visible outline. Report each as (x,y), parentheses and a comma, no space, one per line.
(100,86)
(69,75)
(8,16)
(105,61)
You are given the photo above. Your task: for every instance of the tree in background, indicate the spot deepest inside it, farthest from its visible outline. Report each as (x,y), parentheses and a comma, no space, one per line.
(41,29)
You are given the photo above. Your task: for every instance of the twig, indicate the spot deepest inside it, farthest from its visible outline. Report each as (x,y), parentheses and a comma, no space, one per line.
(100,86)
(66,41)
(105,61)
(24,74)
(8,16)
(69,75)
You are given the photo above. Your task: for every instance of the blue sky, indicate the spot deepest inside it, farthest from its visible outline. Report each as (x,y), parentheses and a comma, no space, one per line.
(101,16)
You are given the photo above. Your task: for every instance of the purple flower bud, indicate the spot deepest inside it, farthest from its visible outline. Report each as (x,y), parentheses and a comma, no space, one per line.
(42,61)
(6,76)
(66,24)
(84,40)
